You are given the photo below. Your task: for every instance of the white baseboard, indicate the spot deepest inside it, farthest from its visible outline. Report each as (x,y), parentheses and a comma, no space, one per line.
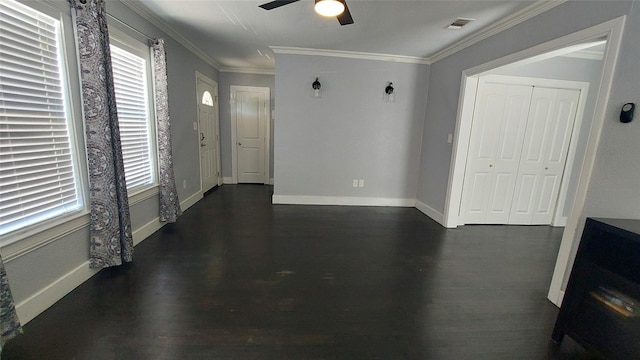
(556,297)
(562,222)
(146,230)
(50,294)
(337,200)
(430,212)
(229,180)
(190,201)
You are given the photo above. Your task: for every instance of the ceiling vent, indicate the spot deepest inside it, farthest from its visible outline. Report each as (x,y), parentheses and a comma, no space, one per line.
(459,23)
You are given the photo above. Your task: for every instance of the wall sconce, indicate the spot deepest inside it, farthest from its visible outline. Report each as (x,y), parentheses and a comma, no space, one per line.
(316,88)
(389,93)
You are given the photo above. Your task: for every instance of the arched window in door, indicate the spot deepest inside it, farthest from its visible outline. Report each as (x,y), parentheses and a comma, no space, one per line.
(207,99)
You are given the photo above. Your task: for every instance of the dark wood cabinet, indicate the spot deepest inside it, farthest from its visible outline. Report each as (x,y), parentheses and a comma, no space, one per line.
(601,306)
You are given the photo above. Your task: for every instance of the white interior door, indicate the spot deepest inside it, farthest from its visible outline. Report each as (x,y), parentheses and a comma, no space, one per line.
(250,112)
(518,149)
(544,154)
(495,146)
(208,133)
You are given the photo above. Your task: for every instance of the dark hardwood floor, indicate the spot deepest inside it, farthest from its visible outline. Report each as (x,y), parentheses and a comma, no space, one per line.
(239,278)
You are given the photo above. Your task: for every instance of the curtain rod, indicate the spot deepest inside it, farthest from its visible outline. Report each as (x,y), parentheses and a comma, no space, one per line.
(131,27)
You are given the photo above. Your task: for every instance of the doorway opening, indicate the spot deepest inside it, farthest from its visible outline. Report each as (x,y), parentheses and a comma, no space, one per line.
(611,32)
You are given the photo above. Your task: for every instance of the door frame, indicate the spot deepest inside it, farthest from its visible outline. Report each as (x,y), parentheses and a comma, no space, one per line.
(611,30)
(583,87)
(216,108)
(267,145)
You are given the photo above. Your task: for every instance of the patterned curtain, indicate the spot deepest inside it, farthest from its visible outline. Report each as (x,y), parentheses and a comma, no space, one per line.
(169,203)
(9,323)
(111,241)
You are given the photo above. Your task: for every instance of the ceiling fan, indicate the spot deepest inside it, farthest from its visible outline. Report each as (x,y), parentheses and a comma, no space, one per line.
(337,8)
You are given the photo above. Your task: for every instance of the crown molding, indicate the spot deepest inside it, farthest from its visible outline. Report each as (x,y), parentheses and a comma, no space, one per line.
(247,71)
(169,30)
(349,54)
(527,13)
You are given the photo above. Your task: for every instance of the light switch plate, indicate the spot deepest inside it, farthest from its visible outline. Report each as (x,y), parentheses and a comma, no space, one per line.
(355,183)
(360,183)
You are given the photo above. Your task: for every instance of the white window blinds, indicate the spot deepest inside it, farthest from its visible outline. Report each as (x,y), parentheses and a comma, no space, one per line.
(130,80)
(37,177)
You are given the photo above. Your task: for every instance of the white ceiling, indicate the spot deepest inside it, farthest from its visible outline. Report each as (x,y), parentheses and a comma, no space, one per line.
(238,34)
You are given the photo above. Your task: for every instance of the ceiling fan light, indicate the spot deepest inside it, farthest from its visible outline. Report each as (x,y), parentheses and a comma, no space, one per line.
(329,7)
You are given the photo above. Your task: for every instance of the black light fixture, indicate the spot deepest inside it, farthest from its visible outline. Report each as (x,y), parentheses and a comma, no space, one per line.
(389,93)
(316,87)
(389,89)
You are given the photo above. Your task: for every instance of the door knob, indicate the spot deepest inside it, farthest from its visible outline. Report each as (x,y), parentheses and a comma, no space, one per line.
(202,136)
(239,144)
(490,165)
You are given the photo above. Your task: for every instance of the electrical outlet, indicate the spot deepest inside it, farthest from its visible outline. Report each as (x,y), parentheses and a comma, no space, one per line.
(360,183)
(449,138)
(355,183)
(195,126)
(184,184)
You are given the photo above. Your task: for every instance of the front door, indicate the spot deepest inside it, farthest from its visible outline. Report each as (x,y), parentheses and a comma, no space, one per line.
(208,134)
(250,113)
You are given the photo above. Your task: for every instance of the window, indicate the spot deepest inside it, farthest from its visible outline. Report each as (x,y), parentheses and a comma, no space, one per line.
(130,75)
(38,176)
(207,99)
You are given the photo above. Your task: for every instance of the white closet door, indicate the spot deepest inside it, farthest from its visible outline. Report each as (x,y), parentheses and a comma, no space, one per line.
(544,154)
(495,146)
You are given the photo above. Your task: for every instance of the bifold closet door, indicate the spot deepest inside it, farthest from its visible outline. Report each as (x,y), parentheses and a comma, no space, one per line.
(544,154)
(499,124)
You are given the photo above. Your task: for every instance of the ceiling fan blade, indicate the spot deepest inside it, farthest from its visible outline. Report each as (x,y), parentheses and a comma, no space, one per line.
(345,18)
(276,4)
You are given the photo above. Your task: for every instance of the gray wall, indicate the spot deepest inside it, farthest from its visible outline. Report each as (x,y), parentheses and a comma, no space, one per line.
(441,107)
(39,268)
(226,80)
(614,189)
(575,69)
(322,144)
